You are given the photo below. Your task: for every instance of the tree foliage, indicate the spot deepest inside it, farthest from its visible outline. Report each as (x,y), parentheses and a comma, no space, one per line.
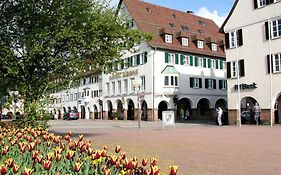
(44,44)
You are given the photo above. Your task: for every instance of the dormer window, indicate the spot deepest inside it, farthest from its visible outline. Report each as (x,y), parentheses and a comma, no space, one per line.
(148,10)
(168,38)
(185,28)
(200,44)
(214,47)
(261,3)
(173,26)
(174,16)
(202,23)
(200,31)
(184,41)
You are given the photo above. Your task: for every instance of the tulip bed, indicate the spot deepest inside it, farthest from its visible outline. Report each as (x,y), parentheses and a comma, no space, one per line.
(36,151)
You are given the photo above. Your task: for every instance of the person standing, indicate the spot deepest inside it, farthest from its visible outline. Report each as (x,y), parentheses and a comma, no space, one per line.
(257,111)
(219,115)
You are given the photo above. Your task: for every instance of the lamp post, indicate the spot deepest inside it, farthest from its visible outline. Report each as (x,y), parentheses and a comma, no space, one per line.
(14,94)
(137,87)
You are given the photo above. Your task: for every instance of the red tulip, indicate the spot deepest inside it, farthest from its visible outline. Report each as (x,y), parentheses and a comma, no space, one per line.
(154,170)
(39,158)
(117,149)
(106,171)
(113,160)
(31,146)
(70,154)
(103,153)
(3,169)
(77,166)
(129,165)
(47,164)
(34,154)
(153,162)
(58,157)
(15,168)
(104,147)
(69,133)
(80,137)
(67,138)
(95,155)
(9,162)
(144,162)
(173,170)
(27,171)
(44,137)
(50,156)
(123,155)
(5,150)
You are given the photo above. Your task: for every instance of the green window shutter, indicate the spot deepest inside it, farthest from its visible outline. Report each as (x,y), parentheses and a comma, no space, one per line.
(217,64)
(182,59)
(191,60)
(145,57)
(138,59)
(209,63)
(196,61)
(221,64)
(215,84)
(177,58)
(204,62)
(200,82)
(191,80)
(206,83)
(166,57)
(130,62)
(220,84)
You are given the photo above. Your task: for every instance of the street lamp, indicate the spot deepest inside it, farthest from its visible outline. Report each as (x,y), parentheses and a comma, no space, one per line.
(14,94)
(137,87)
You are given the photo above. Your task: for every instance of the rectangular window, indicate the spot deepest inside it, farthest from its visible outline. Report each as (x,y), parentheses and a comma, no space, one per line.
(132,81)
(142,83)
(223,84)
(75,97)
(214,47)
(235,39)
(168,38)
(184,41)
(113,88)
(261,3)
(119,87)
(125,62)
(107,89)
(276,28)
(277,63)
(234,69)
(125,86)
(71,97)
(196,83)
(171,81)
(210,84)
(200,62)
(200,44)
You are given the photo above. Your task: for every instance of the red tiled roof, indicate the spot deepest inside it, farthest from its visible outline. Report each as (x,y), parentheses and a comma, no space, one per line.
(158,20)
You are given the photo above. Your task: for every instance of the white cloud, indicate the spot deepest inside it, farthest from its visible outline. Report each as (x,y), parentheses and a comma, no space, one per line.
(204,12)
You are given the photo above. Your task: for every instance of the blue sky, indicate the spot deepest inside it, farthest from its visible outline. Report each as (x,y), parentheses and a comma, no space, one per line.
(213,9)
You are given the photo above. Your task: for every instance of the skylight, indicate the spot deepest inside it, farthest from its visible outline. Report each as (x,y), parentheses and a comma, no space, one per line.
(173,26)
(185,28)
(148,10)
(202,23)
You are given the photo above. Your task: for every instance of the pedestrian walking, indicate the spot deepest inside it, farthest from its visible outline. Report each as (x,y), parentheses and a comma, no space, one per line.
(219,115)
(257,112)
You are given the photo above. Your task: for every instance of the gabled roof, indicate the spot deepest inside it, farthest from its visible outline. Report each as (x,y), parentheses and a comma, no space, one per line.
(157,20)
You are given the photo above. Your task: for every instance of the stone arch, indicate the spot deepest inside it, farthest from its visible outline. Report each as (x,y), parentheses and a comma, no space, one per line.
(162,106)
(184,111)
(131,110)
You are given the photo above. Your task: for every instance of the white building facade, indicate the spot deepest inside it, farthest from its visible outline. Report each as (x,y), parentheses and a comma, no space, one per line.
(182,69)
(253,56)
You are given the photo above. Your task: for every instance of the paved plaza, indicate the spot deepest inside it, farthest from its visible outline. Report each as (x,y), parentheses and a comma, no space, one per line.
(198,148)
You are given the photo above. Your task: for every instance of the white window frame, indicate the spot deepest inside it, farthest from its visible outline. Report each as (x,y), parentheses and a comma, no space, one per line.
(168,38)
(200,62)
(186,60)
(213,64)
(132,81)
(277,63)
(125,86)
(223,65)
(276,29)
(234,69)
(214,46)
(261,3)
(196,83)
(210,83)
(184,41)
(142,83)
(172,58)
(171,81)
(200,44)
(107,89)
(119,87)
(224,85)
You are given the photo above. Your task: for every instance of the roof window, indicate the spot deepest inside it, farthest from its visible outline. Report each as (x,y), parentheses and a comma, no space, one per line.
(200,31)
(174,16)
(173,26)
(202,23)
(185,28)
(148,10)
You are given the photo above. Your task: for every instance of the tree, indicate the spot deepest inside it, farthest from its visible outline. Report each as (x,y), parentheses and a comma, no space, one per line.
(45,44)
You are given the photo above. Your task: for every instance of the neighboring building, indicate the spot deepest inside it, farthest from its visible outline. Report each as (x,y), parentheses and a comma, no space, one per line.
(181,69)
(253,33)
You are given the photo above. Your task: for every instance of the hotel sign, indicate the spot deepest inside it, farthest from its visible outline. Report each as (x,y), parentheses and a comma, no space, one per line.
(246,86)
(117,75)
